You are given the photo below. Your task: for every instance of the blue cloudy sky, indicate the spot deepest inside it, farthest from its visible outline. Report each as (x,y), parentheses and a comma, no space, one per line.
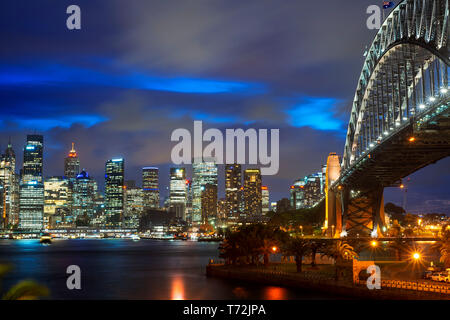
(137,70)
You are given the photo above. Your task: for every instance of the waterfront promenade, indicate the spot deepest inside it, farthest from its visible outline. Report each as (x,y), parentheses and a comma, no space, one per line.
(323,280)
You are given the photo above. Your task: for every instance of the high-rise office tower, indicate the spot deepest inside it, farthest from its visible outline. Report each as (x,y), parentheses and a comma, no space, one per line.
(9,203)
(72,164)
(312,189)
(233,185)
(150,186)
(56,200)
(233,192)
(114,191)
(188,211)
(222,208)
(177,192)
(134,206)
(32,185)
(265,200)
(203,173)
(252,192)
(209,203)
(307,191)
(84,194)
(297,191)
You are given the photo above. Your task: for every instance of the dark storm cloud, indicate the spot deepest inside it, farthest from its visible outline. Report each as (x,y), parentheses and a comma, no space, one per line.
(139,69)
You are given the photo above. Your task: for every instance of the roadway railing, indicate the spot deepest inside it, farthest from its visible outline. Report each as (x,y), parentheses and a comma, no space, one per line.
(412,285)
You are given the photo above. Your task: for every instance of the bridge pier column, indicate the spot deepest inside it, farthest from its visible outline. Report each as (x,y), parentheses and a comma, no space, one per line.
(345,194)
(378,216)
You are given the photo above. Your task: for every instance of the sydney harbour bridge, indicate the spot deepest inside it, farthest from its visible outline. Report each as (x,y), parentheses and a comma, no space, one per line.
(399,121)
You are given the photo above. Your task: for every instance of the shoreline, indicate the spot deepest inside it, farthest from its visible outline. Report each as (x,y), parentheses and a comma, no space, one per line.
(341,289)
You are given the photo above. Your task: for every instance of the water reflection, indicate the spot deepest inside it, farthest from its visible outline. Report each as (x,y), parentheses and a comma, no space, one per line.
(240,293)
(274,293)
(124,269)
(177,290)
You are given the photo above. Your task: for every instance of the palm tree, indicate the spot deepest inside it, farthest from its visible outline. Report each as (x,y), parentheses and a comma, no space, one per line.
(24,290)
(297,247)
(314,247)
(339,250)
(270,237)
(443,246)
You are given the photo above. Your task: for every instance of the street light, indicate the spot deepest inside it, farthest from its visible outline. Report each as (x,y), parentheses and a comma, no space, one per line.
(416,256)
(374,244)
(274,249)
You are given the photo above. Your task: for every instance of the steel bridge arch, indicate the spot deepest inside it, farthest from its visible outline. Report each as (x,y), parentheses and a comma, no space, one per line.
(418,25)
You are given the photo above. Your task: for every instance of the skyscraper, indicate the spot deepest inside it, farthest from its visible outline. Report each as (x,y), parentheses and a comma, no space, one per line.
(72,164)
(9,182)
(150,186)
(134,206)
(203,173)
(252,192)
(56,200)
(297,191)
(265,200)
(84,193)
(177,193)
(233,185)
(114,191)
(209,203)
(307,191)
(31,186)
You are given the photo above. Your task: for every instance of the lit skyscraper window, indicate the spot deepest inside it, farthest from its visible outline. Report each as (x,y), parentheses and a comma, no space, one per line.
(203,173)
(114,191)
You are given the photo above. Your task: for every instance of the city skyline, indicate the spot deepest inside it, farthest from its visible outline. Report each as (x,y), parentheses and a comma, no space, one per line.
(164,184)
(124,101)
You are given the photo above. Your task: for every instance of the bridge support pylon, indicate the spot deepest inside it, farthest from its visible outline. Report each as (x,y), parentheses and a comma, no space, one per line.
(363,214)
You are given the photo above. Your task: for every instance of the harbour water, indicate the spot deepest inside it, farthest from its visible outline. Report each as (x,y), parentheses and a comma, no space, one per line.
(127,269)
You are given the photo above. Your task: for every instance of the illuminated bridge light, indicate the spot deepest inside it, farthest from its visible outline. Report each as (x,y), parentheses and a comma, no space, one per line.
(432,99)
(422,106)
(444,90)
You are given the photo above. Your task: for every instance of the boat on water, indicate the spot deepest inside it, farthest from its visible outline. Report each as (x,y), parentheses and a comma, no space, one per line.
(46,238)
(134,237)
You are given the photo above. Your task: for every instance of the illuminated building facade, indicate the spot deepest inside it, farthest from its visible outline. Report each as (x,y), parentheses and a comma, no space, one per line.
(222,208)
(71,164)
(188,210)
(252,192)
(307,191)
(203,173)
(84,194)
(265,200)
(177,192)
(9,184)
(298,194)
(150,186)
(56,200)
(209,203)
(114,189)
(233,186)
(32,186)
(134,206)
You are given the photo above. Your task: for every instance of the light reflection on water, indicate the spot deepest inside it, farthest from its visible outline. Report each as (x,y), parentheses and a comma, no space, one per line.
(126,269)
(177,292)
